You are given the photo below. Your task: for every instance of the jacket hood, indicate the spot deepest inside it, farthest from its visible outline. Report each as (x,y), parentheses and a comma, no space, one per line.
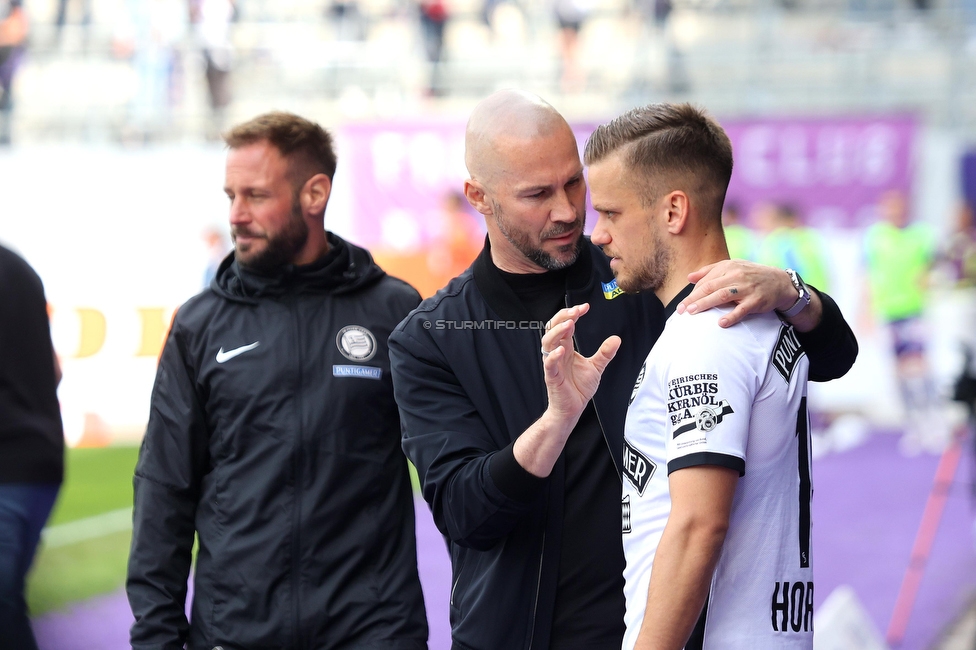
(345,268)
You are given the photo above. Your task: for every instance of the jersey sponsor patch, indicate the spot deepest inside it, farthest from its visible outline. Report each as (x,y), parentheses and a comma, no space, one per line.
(787,352)
(638,468)
(640,378)
(356,343)
(363,372)
(611,290)
(693,403)
(706,419)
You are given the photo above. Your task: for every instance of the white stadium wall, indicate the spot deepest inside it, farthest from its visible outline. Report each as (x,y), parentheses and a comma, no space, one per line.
(117,236)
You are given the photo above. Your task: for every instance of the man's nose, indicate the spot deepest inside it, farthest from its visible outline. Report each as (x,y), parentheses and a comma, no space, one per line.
(600,236)
(238,212)
(563,210)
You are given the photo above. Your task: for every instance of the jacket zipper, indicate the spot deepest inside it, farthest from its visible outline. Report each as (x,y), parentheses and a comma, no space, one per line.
(457,580)
(538,587)
(454,588)
(603,432)
(297,466)
(596,411)
(542,551)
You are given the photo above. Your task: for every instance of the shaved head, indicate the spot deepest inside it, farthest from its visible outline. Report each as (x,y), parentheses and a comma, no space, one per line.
(498,126)
(526,178)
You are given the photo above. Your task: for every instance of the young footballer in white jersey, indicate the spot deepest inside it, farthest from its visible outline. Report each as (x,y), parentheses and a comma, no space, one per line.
(716,496)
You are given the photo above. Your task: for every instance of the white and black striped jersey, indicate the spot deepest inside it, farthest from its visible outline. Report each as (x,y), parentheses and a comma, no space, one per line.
(736,398)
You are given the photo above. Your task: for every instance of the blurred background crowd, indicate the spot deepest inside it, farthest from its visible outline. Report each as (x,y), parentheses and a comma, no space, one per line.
(165,70)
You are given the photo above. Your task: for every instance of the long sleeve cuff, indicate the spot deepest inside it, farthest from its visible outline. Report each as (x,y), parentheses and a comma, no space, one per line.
(513,480)
(831,345)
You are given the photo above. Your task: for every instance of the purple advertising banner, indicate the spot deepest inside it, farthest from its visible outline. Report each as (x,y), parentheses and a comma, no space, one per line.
(399,177)
(400,174)
(832,170)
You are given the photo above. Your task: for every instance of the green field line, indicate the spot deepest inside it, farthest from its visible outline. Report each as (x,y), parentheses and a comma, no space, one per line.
(95,481)
(82,530)
(85,547)
(77,572)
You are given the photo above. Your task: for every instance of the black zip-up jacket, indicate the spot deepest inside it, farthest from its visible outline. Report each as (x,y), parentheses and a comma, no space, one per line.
(274,435)
(468,379)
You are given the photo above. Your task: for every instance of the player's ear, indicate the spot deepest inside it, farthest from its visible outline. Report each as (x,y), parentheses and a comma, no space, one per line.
(475,192)
(678,207)
(315,194)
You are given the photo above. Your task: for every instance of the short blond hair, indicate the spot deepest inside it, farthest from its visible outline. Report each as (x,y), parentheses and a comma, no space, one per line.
(664,141)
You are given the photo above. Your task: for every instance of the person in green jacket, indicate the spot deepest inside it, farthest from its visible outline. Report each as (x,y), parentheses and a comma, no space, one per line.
(899,256)
(740,238)
(790,244)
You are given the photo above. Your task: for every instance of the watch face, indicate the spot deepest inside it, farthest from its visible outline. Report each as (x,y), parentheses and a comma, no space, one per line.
(803,297)
(803,289)
(798,283)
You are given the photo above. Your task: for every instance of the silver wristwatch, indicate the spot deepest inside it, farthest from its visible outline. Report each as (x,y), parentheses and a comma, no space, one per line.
(803,298)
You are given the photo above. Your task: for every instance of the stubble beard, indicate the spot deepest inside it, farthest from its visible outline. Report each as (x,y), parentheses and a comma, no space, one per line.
(652,273)
(281,247)
(535,254)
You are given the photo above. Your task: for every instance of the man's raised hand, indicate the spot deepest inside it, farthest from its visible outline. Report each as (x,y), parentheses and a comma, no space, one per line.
(571,378)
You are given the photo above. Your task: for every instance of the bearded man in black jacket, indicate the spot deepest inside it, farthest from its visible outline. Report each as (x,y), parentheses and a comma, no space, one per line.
(273,435)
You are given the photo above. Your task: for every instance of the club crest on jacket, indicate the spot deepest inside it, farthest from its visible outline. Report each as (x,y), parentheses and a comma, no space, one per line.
(356,343)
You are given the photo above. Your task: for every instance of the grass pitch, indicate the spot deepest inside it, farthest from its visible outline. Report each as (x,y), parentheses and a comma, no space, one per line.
(96,481)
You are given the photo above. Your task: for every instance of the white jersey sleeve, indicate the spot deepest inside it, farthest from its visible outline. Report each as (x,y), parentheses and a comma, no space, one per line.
(711,386)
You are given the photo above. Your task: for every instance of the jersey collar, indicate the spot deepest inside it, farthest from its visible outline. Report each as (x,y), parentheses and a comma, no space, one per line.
(674,301)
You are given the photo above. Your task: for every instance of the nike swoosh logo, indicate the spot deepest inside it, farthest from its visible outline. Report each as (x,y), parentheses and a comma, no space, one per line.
(230,354)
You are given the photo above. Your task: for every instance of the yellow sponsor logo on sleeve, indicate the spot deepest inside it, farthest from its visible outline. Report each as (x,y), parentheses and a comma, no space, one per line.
(611,290)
